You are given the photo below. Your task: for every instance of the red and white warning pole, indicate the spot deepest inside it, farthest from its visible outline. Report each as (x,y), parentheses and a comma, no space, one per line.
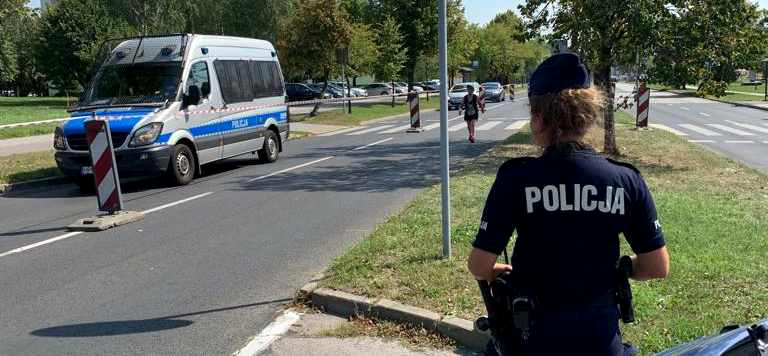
(643,105)
(413,103)
(104,165)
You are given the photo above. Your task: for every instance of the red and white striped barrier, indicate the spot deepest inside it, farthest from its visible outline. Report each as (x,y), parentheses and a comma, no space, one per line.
(104,165)
(643,103)
(413,103)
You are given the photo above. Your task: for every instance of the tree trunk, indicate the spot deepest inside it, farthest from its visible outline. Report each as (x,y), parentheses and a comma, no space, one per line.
(317,105)
(603,79)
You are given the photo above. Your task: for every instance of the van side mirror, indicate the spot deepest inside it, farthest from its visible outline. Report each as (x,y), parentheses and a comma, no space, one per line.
(192,97)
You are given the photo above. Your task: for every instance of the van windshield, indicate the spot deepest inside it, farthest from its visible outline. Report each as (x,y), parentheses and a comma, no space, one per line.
(143,83)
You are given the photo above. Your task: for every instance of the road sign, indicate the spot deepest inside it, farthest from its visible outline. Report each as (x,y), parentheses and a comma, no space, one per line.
(104,165)
(643,102)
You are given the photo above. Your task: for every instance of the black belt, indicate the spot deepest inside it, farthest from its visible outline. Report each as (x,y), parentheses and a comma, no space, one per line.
(563,302)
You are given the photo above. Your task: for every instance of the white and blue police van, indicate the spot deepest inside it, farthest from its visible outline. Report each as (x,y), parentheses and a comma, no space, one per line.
(177,102)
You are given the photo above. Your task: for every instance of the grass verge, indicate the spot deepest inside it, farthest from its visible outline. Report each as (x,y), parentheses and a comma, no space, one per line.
(18,110)
(25,131)
(363,112)
(714,211)
(729,97)
(27,166)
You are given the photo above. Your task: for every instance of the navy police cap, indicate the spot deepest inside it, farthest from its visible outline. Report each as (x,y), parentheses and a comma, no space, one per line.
(557,73)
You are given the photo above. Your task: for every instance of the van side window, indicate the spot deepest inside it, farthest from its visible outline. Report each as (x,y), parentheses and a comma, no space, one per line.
(242,81)
(198,75)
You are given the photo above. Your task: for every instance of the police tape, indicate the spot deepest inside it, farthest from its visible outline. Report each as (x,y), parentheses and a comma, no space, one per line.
(297,103)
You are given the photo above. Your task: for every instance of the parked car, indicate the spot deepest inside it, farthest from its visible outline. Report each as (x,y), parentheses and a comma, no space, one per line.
(401,88)
(494,91)
(415,87)
(330,89)
(300,92)
(379,89)
(354,92)
(431,85)
(457,93)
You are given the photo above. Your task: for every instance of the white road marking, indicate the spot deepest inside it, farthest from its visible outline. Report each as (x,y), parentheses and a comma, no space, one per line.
(700,130)
(748,126)
(517,125)
(765,142)
(701,141)
(397,129)
(289,169)
(372,129)
(161,207)
(270,334)
(493,107)
(431,126)
(41,243)
(373,144)
(350,129)
(75,233)
(731,130)
(668,129)
(457,127)
(704,114)
(739,141)
(685,108)
(488,125)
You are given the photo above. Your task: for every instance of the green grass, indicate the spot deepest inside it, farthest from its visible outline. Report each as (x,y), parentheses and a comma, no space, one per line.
(18,110)
(28,166)
(25,131)
(714,212)
(363,112)
(692,92)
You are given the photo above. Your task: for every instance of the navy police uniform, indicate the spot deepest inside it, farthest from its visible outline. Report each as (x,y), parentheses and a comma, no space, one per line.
(569,207)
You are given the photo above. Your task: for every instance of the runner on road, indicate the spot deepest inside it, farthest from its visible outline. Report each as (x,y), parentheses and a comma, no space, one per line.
(472,106)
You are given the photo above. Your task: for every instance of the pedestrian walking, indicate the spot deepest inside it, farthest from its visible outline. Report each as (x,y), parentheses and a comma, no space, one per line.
(512,92)
(569,207)
(472,108)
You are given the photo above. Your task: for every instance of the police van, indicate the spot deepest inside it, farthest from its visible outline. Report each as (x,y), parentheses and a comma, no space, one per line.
(177,102)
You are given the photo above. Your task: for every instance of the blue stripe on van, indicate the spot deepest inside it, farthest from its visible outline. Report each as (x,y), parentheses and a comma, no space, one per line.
(230,125)
(119,121)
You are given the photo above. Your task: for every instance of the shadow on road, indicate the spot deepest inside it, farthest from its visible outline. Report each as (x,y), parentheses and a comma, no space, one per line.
(384,169)
(122,327)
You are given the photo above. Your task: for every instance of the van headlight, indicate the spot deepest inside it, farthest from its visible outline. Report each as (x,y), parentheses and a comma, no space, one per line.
(59,140)
(146,135)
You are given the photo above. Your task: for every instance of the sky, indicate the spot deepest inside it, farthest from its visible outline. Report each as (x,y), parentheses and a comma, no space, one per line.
(477,11)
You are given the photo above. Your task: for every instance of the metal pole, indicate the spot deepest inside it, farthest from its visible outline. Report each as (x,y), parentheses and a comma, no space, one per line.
(444,152)
(343,92)
(765,79)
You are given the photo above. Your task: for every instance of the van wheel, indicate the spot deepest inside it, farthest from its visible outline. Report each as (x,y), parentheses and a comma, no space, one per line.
(270,150)
(181,167)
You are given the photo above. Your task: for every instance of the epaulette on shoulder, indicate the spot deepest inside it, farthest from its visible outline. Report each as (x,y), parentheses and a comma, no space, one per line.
(515,162)
(624,164)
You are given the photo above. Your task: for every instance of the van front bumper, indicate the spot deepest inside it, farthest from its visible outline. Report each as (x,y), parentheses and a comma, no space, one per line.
(141,162)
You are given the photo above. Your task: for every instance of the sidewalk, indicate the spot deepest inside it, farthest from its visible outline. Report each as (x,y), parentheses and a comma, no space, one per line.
(26,145)
(314,334)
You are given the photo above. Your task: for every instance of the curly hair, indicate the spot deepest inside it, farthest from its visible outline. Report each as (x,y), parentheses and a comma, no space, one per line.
(572,112)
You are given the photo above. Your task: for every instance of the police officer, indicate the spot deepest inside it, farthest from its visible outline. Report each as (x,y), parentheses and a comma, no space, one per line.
(568,207)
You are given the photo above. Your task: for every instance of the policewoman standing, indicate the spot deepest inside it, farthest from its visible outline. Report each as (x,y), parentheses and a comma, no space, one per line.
(569,207)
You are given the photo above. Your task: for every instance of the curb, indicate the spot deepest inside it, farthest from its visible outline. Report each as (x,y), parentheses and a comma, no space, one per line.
(346,305)
(32,184)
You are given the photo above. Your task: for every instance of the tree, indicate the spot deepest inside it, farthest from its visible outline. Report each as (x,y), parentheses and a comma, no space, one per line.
(392,55)
(311,37)
(71,35)
(417,22)
(10,12)
(705,41)
(363,51)
(462,42)
(28,77)
(604,33)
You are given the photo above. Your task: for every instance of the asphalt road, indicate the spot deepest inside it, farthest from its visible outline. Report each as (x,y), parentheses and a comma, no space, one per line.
(213,261)
(738,133)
